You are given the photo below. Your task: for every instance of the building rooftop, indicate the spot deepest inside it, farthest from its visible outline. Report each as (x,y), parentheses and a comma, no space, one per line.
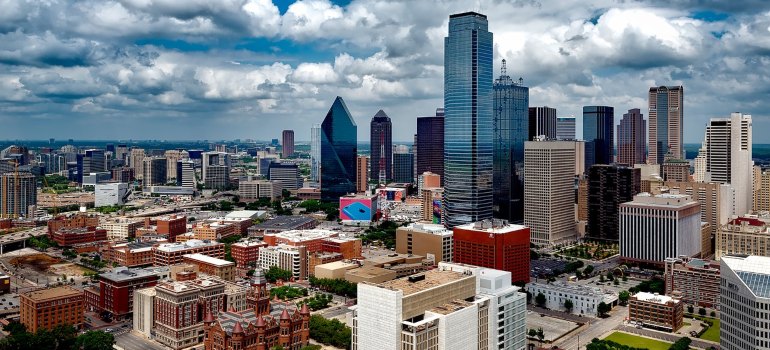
(393,258)
(193,243)
(576,289)
(665,200)
(250,243)
(284,223)
(304,235)
(52,293)
(434,229)
(337,265)
(209,260)
(494,226)
(450,307)
(424,281)
(654,298)
(250,214)
(120,274)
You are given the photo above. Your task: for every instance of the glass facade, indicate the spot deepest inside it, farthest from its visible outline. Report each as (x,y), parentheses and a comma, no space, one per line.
(468,127)
(511,129)
(338,152)
(430,145)
(381,163)
(598,133)
(315,155)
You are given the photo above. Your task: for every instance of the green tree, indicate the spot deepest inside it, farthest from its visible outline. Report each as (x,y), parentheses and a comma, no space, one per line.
(681,344)
(95,340)
(275,273)
(623,297)
(588,270)
(690,309)
(568,305)
(330,332)
(540,300)
(532,333)
(603,308)
(702,311)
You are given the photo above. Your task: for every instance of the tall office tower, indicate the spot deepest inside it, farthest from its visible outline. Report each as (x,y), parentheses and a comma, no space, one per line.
(428,180)
(362,173)
(549,200)
(469,123)
(430,144)
(699,165)
(381,147)
(338,152)
(653,228)
(451,307)
(744,302)
(666,124)
(136,158)
(92,161)
(315,155)
(598,132)
(216,170)
(763,197)
(608,187)
(185,173)
(728,157)
(414,157)
(287,174)
(715,200)
(756,187)
(631,138)
(542,121)
(154,171)
(18,191)
(565,128)
(511,120)
(287,143)
(121,152)
(172,158)
(403,165)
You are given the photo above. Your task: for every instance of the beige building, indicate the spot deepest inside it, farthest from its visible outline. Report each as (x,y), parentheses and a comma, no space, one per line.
(120,229)
(362,173)
(144,311)
(136,158)
(212,266)
(673,105)
(431,241)
(715,200)
(255,189)
(763,195)
(676,170)
(334,270)
(429,195)
(172,157)
(370,274)
(748,235)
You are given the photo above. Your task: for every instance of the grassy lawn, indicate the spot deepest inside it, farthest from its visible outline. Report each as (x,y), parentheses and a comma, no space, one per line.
(638,342)
(712,333)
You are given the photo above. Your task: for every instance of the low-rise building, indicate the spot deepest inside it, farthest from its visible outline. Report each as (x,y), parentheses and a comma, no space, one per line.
(333,270)
(213,230)
(236,296)
(656,311)
(171,225)
(256,189)
(136,254)
(121,229)
(68,237)
(695,281)
(79,220)
(320,258)
(347,246)
(115,293)
(291,258)
(312,239)
(585,299)
(48,308)
(212,266)
(285,327)
(180,308)
(370,274)
(246,252)
(173,253)
(282,223)
(747,235)
(432,241)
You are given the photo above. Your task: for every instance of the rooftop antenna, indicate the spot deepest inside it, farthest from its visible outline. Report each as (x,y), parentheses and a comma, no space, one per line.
(502,68)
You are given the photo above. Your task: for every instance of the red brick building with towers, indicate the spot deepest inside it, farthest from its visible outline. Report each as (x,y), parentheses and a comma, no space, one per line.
(494,244)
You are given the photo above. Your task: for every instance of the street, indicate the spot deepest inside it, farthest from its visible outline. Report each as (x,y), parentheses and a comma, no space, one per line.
(595,328)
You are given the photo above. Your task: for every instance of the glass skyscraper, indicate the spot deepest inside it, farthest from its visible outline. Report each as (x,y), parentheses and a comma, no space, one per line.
(511,127)
(468,127)
(430,144)
(599,135)
(338,152)
(381,147)
(315,155)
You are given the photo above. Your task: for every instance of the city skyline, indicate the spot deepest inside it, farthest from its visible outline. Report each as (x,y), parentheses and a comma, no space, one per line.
(203,71)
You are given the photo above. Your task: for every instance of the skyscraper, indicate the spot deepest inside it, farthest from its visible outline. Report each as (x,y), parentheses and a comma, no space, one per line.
(744,301)
(362,172)
(315,155)
(511,130)
(565,128)
(18,191)
(430,144)
(598,132)
(542,121)
(403,166)
(154,171)
(666,122)
(216,170)
(469,129)
(608,187)
(338,152)
(631,138)
(287,143)
(381,147)
(172,159)
(728,157)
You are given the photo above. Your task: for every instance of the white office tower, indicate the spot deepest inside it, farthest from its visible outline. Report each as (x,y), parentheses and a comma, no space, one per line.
(315,155)
(728,157)
(744,302)
(453,307)
(112,193)
(699,175)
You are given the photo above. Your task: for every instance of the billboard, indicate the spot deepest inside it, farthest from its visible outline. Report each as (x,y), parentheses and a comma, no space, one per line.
(392,194)
(356,209)
(436,211)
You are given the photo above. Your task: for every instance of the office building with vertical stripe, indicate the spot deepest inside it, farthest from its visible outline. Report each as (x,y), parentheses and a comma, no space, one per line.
(542,122)
(728,147)
(666,123)
(599,134)
(430,144)
(469,123)
(381,137)
(287,143)
(565,128)
(744,303)
(362,173)
(17,193)
(631,138)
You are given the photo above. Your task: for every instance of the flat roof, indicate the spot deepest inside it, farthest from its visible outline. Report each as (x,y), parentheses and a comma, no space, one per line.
(250,243)
(284,222)
(52,293)
(492,226)
(391,258)
(433,278)
(450,307)
(654,298)
(337,265)
(434,229)
(369,271)
(251,214)
(193,243)
(304,235)
(120,274)
(209,260)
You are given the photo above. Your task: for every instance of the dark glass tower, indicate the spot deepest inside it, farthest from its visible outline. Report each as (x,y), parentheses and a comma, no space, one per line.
(598,133)
(468,132)
(608,187)
(382,148)
(338,152)
(430,144)
(403,170)
(511,122)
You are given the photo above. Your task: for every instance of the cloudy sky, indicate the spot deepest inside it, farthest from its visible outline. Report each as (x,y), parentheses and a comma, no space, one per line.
(226,69)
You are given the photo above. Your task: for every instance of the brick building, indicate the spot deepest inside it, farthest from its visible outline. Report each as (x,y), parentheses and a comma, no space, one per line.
(68,237)
(311,239)
(172,226)
(656,311)
(494,244)
(134,254)
(696,281)
(173,253)
(246,253)
(115,293)
(214,230)
(212,266)
(349,247)
(48,308)
(320,258)
(75,221)
(179,309)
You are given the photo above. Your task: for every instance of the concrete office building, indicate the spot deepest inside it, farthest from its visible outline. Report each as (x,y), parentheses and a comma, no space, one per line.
(744,303)
(287,174)
(154,171)
(256,189)
(675,170)
(108,194)
(429,240)
(632,140)
(666,123)
(694,281)
(220,268)
(362,173)
(120,229)
(216,170)
(542,122)
(763,195)
(17,193)
(728,146)
(144,311)
(656,311)
(452,307)
(291,258)
(287,143)
(172,160)
(565,128)
(747,235)
(715,200)
(136,160)
(428,180)
(653,228)
(549,191)
(585,299)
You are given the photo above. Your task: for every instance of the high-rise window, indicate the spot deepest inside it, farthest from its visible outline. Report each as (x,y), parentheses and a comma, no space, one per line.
(338,152)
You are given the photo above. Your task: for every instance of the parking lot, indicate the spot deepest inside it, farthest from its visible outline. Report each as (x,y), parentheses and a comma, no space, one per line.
(553,328)
(545,266)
